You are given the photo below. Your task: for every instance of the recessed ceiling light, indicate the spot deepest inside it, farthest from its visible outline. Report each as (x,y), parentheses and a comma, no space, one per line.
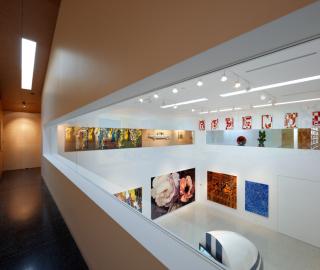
(263,97)
(193,110)
(199,83)
(184,103)
(234,93)
(156,96)
(262,105)
(175,90)
(225,110)
(205,112)
(224,78)
(141,100)
(296,101)
(28,53)
(175,107)
(237,84)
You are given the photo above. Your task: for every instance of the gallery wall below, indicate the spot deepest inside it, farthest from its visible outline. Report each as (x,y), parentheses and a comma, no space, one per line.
(22,140)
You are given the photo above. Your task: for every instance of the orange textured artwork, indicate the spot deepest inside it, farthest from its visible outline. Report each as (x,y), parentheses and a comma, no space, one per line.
(222,188)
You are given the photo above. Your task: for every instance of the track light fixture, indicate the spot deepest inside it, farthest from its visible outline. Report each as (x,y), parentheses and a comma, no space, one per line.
(175,90)
(199,83)
(224,77)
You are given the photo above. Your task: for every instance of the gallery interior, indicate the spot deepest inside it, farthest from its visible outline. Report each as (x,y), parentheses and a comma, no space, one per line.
(186,143)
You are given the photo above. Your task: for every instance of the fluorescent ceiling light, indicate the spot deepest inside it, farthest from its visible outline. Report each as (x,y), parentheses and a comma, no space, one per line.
(28,53)
(234,93)
(184,103)
(214,111)
(275,85)
(237,108)
(269,86)
(203,112)
(296,101)
(226,110)
(262,105)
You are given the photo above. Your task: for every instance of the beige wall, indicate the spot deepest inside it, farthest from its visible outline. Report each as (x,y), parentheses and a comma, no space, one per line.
(104,45)
(21,140)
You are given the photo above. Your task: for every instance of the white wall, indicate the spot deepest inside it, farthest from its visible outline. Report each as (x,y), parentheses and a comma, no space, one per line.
(21,140)
(118,170)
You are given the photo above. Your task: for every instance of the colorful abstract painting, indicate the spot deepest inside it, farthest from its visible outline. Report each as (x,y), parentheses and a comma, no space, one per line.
(81,138)
(214,123)
(172,191)
(257,198)
(246,122)
(202,125)
(222,188)
(133,197)
(229,123)
(316,119)
(290,120)
(266,121)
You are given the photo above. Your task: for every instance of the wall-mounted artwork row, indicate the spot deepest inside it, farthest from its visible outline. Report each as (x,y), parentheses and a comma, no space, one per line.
(132,197)
(172,191)
(222,188)
(257,198)
(84,138)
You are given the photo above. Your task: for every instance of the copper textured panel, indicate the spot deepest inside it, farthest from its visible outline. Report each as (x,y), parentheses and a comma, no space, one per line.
(222,188)
(304,138)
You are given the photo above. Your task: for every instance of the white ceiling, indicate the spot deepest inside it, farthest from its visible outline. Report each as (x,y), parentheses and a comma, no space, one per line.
(289,64)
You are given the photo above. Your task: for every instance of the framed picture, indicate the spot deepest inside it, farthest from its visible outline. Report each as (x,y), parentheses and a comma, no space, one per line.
(214,123)
(266,121)
(316,119)
(257,198)
(172,191)
(290,120)
(222,188)
(132,197)
(229,123)
(246,122)
(202,125)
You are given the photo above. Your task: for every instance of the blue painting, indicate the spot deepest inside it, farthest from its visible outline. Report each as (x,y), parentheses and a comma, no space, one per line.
(257,198)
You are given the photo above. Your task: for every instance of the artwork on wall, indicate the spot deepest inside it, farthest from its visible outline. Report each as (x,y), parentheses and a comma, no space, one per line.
(257,198)
(316,119)
(222,188)
(153,137)
(290,120)
(83,138)
(132,197)
(266,120)
(172,191)
(229,123)
(246,122)
(202,125)
(214,123)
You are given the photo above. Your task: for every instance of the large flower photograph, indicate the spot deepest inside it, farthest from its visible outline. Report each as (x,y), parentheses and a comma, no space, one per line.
(171,191)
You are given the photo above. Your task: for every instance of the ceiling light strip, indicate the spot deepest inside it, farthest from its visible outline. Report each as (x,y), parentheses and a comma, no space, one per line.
(28,53)
(184,103)
(269,86)
(296,101)
(262,105)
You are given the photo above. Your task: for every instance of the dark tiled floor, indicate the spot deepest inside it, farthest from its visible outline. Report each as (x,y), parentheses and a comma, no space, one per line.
(33,235)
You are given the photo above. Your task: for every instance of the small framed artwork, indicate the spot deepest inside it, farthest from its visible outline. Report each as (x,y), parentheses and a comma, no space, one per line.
(290,120)
(214,123)
(316,119)
(266,121)
(202,125)
(229,123)
(246,122)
